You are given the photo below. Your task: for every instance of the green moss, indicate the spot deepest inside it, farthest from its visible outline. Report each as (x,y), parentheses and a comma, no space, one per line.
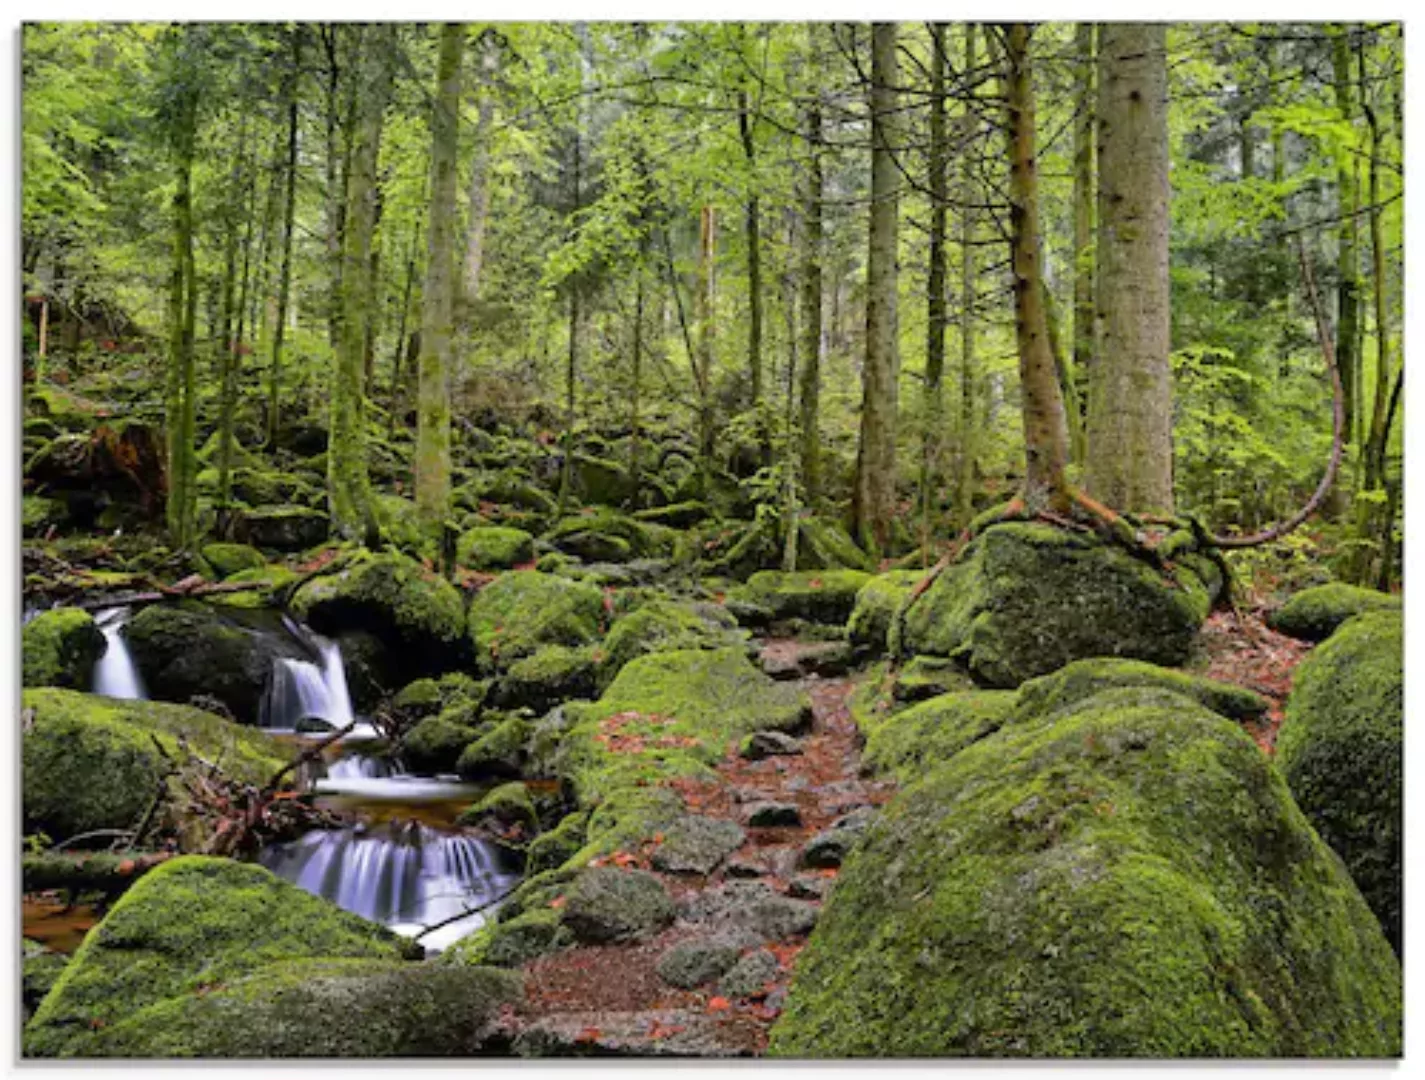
(556,847)
(494,547)
(607,904)
(1085,678)
(91,763)
(272,579)
(520,611)
(876,604)
(418,615)
(38,513)
(435,744)
(1314,614)
(1026,599)
(825,545)
(1341,750)
(553,674)
(609,536)
(281,528)
(930,676)
(824,596)
(192,925)
(39,970)
(678,515)
(664,625)
(508,804)
(499,753)
(59,648)
(510,944)
(230,559)
(1130,879)
(915,740)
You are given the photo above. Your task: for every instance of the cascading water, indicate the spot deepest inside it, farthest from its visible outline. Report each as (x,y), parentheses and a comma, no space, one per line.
(114,672)
(408,877)
(302,690)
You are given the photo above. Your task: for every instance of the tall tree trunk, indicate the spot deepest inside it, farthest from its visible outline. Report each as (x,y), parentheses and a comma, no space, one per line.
(753,225)
(704,301)
(873,502)
(969,195)
(348,484)
(180,391)
(810,303)
(489,68)
(635,395)
(245,197)
(1045,447)
(1086,109)
(438,297)
(1347,260)
(396,400)
(936,316)
(289,210)
(1130,461)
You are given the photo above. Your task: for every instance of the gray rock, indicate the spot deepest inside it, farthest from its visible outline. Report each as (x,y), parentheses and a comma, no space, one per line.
(752,906)
(690,964)
(749,975)
(765,744)
(774,815)
(695,844)
(606,904)
(830,847)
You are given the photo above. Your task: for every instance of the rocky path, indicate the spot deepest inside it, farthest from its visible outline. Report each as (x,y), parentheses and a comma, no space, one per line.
(1240,648)
(713,982)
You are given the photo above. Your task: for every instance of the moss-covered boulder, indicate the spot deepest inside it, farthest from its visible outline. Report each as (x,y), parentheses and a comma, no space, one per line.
(822,596)
(435,744)
(599,480)
(610,536)
(925,677)
(280,528)
(182,651)
(506,816)
(229,559)
(826,545)
(1026,599)
(552,849)
(387,1009)
(1084,678)
(663,625)
(677,516)
(193,926)
(1341,750)
(607,904)
(428,697)
(909,742)
(529,935)
(523,610)
(40,968)
(59,648)
(1125,877)
(494,547)
(90,762)
(40,513)
(1314,614)
(876,604)
(499,753)
(417,614)
(542,680)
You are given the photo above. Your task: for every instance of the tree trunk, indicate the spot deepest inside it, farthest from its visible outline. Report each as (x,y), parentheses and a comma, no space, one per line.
(810,303)
(704,300)
(437,299)
(348,485)
(284,282)
(180,406)
(753,225)
(1045,447)
(969,195)
(244,196)
(397,397)
(635,395)
(1130,460)
(936,317)
(873,502)
(1347,260)
(489,67)
(1083,207)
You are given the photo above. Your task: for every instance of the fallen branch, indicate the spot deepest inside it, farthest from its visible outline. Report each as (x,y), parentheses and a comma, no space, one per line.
(88,871)
(468,912)
(164,592)
(310,753)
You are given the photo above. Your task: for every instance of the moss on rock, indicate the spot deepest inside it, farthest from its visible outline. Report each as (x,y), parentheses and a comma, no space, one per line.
(876,605)
(90,762)
(552,849)
(59,648)
(499,753)
(526,937)
(545,678)
(523,610)
(610,536)
(1084,678)
(281,528)
(494,547)
(189,927)
(664,625)
(1130,878)
(229,559)
(911,741)
(606,904)
(1341,750)
(435,744)
(826,545)
(822,596)
(1314,614)
(417,615)
(1026,599)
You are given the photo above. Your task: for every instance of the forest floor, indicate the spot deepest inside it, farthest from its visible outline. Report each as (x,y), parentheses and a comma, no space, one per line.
(609,999)
(1240,648)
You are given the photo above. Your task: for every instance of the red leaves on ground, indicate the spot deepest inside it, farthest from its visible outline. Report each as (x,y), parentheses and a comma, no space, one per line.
(589,1035)
(659,1030)
(718,1004)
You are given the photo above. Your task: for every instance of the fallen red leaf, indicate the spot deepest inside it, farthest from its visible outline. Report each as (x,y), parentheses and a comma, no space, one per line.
(718,1004)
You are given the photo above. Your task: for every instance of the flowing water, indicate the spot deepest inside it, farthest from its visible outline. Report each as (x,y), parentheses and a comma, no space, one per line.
(114,673)
(306,690)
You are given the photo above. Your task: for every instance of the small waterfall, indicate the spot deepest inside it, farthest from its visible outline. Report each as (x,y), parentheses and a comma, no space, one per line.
(407,877)
(360,767)
(303,690)
(114,672)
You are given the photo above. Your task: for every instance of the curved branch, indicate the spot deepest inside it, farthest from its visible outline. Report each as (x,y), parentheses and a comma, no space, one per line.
(1328,353)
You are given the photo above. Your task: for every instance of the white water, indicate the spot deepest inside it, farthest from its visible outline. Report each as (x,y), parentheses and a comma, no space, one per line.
(114,672)
(407,877)
(301,690)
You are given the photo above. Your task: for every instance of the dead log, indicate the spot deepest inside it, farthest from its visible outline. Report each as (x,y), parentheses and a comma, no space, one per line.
(87,871)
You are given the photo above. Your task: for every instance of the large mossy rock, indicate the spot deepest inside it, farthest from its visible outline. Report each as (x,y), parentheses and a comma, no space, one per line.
(826,545)
(1314,614)
(523,610)
(494,547)
(1026,599)
(665,625)
(183,651)
(1126,877)
(1341,750)
(599,480)
(91,763)
(876,605)
(610,536)
(821,596)
(230,559)
(345,1008)
(280,528)
(60,648)
(190,927)
(414,612)
(545,678)
(913,740)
